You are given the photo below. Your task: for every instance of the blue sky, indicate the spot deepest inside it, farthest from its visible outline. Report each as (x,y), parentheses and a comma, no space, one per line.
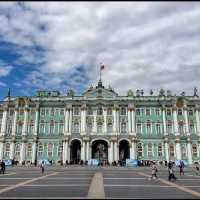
(59,45)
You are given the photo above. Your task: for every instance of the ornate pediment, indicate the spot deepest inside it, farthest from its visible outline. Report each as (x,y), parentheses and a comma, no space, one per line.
(100,92)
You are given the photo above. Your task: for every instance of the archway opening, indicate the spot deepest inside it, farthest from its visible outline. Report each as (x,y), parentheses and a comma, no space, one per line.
(100,151)
(124,150)
(75,152)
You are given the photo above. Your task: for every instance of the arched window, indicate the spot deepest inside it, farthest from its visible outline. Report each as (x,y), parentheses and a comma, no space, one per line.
(123,127)
(169,113)
(60,148)
(190,112)
(138,111)
(9,127)
(139,127)
(61,127)
(42,127)
(109,111)
(62,111)
(76,111)
(160,154)
(110,128)
(147,111)
(99,111)
(19,128)
(31,128)
(40,150)
(149,150)
(29,150)
(148,127)
(194,150)
(171,150)
(50,150)
(17,151)
(180,112)
(123,111)
(181,127)
(183,151)
(52,111)
(99,127)
(90,111)
(139,150)
(191,127)
(89,127)
(157,111)
(76,127)
(7,150)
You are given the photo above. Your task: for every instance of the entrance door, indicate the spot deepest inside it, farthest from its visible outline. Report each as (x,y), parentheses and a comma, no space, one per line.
(124,150)
(75,152)
(100,150)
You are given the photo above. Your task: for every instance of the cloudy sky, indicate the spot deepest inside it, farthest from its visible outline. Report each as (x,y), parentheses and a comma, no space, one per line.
(59,45)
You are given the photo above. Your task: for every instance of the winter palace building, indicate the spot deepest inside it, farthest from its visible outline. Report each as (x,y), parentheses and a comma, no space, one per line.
(100,124)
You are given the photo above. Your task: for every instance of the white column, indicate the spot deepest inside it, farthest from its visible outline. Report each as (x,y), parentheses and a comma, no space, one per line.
(36,124)
(189,151)
(87,150)
(178,150)
(110,153)
(64,152)
(22,152)
(133,122)
(117,122)
(12,150)
(133,150)
(129,121)
(83,121)
(33,152)
(66,121)
(1,150)
(70,121)
(115,151)
(166,151)
(67,151)
(95,124)
(14,123)
(198,121)
(83,151)
(186,121)
(4,120)
(175,122)
(104,124)
(114,121)
(164,121)
(24,130)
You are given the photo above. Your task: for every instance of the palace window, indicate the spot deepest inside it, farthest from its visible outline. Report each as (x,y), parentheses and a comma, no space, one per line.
(9,127)
(31,128)
(109,111)
(50,150)
(90,111)
(191,127)
(61,127)
(169,112)
(181,127)
(110,128)
(180,112)
(42,127)
(89,127)
(52,111)
(169,127)
(139,127)
(160,150)
(147,111)
(149,150)
(141,111)
(100,111)
(29,150)
(123,111)
(99,127)
(158,128)
(47,111)
(51,127)
(190,112)
(19,128)
(60,148)
(194,150)
(7,150)
(171,150)
(11,112)
(183,151)
(62,111)
(40,150)
(138,111)
(17,151)
(76,127)
(148,127)
(139,150)
(76,111)
(157,111)
(123,127)
(42,111)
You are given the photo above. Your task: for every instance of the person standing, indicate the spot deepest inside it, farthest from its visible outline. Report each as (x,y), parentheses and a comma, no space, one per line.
(42,166)
(171,171)
(181,166)
(154,171)
(3,166)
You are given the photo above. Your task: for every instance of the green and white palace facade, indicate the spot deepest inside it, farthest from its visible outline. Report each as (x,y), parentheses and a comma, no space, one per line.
(100,124)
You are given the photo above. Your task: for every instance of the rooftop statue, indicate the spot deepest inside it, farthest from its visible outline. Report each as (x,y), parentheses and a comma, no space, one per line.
(183,93)
(137,92)
(162,92)
(151,92)
(142,92)
(130,93)
(195,92)
(70,93)
(169,93)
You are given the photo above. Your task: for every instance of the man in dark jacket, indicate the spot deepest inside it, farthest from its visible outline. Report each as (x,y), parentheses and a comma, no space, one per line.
(3,166)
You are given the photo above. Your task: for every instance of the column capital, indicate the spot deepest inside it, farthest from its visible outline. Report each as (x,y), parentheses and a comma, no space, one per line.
(131,108)
(189,140)
(35,139)
(177,140)
(113,139)
(166,140)
(65,139)
(86,139)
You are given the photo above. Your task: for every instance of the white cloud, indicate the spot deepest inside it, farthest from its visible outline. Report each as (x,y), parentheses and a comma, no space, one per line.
(144,44)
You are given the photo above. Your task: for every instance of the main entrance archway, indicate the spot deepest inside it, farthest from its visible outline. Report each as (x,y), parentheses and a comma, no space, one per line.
(75,151)
(124,150)
(100,150)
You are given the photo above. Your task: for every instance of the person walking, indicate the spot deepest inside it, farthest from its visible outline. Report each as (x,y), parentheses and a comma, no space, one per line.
(197,169)
(154,171)
(181,167)
(42,166)
(3,167)
(171,171)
